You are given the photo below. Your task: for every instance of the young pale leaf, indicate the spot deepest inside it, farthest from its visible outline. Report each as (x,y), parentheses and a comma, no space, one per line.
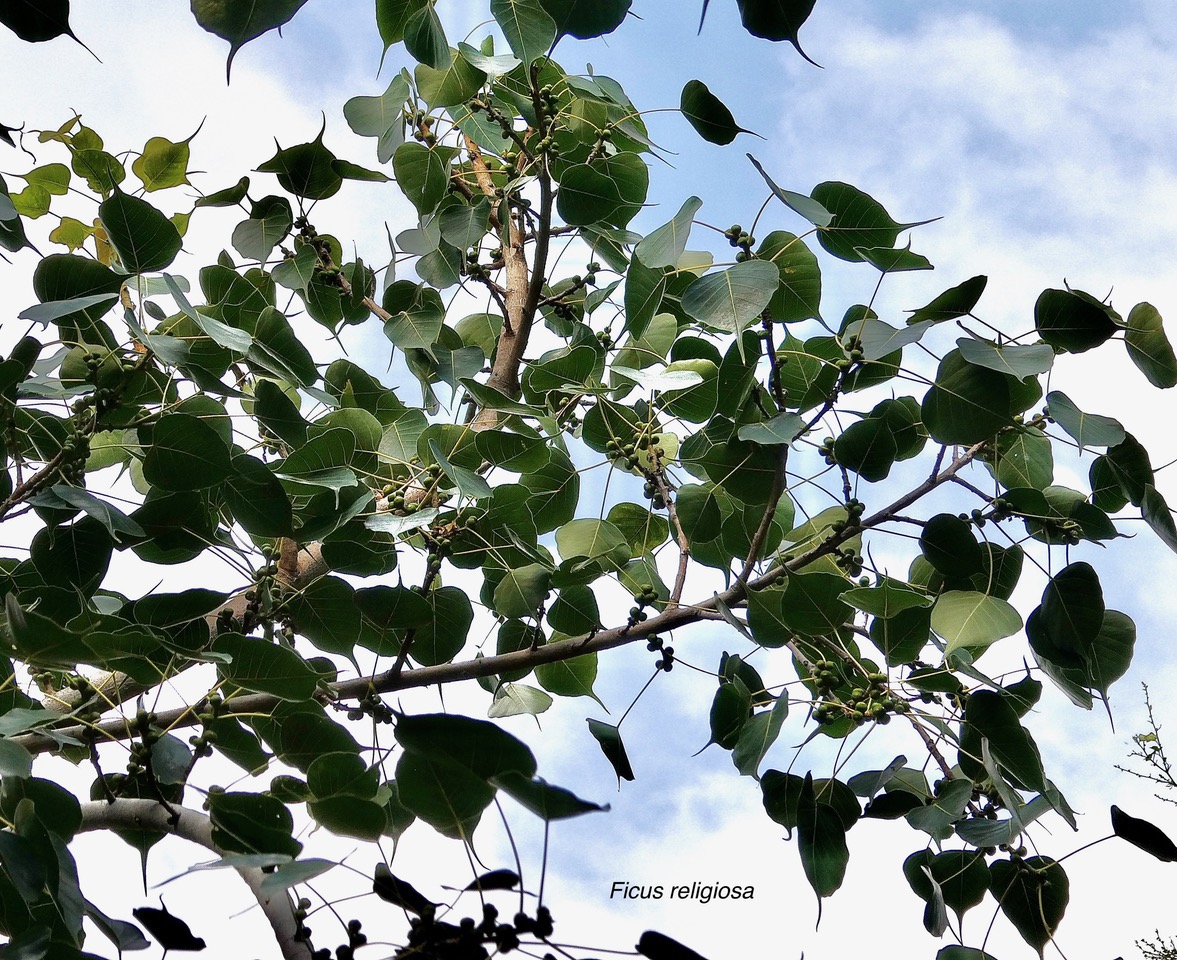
(784,428)
(968,619)
(518,699)
(704,111)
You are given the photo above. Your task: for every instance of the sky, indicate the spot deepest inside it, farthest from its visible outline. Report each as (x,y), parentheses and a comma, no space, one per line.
(1038,133)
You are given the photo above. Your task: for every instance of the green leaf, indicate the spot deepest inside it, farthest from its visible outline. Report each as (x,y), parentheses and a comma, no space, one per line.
(185,454)
(263,667)
(644,290)
(268,225)
(478,746)
(252,823)
(784,428)
(798,297)
(469,483)
(144,239)
(1073,321)
(954,302)
(229,197)
(306,169)
(967,403)
(858,221)
(569,678)
(609,739)
(757,735)
(991,716)
(587,195)
(1064,626)
(1033,894)
(807,207)
(15,760)
(821,841)
(809,605)
(950,547)
(889,260)
(453,85)
(704,111)
(1149,347)
(425,38)
(1086,429)
(777,20)
(422,175)
(239,23)
(877,339)
(1158,516)
(325,612)
(665,246)
(543,799)
(1024,459)
(584,19)
(442,637)
(590,540)
(888,598)
(732,299)
(527,26)
(392,17)
(380,117)
(974,620)
(522,590)
(1019,361)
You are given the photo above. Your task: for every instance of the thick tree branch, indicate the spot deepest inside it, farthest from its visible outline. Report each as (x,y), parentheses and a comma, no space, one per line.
(128,814)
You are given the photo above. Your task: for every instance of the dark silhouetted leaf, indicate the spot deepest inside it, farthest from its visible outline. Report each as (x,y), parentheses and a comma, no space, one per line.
(1141,833)
(170,932)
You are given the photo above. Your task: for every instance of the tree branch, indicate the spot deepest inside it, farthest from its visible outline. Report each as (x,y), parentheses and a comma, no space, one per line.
(672,618)
(129,814)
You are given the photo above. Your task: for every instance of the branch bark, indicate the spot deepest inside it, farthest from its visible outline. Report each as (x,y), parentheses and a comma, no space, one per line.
(128,814)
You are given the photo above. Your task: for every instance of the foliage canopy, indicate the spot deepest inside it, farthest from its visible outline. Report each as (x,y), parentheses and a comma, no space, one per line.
(761,452)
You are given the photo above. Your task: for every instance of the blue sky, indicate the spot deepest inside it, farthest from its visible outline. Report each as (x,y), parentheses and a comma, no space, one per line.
(1039,132)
